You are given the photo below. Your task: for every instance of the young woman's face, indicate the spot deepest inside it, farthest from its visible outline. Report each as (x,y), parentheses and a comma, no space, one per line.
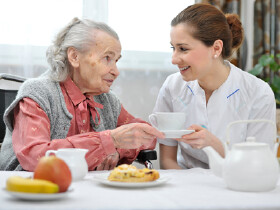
(193,58)
(97,68)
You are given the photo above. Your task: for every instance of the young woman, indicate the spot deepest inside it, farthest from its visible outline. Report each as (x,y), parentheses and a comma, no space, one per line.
(209,89)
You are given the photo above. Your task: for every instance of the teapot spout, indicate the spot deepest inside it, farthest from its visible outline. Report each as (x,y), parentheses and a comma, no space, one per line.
(216,162)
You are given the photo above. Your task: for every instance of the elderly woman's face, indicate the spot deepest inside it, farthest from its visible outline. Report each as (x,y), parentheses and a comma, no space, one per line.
(96,69)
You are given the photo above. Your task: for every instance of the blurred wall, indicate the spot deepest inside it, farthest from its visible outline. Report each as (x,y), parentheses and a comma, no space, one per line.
(138,90)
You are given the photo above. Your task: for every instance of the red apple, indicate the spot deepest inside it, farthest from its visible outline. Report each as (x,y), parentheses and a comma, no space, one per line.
(54,169)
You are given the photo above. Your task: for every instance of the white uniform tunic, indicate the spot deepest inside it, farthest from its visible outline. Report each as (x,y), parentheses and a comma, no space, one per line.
(241,97)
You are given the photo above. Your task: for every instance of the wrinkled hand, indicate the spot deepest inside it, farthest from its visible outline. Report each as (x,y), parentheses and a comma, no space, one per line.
(134,135)
(110,162)
(200,138)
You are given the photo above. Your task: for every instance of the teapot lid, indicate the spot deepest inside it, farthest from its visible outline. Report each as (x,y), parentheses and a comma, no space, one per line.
(251,142)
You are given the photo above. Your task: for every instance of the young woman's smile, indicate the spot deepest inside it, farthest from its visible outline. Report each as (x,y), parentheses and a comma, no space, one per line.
(189,54)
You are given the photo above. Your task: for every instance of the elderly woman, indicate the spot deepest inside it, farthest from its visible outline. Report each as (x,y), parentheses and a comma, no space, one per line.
(71,105)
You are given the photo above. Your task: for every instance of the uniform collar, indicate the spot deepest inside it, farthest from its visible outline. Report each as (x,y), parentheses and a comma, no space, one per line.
(227,86)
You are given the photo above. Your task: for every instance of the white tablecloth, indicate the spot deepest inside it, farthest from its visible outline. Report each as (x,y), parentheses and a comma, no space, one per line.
(186,189)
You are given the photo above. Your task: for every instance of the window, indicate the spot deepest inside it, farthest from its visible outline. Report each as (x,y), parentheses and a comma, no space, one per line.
(144,27)
(33,22)
(29,26)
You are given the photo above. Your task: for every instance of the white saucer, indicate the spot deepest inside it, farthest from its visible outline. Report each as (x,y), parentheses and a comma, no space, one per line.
(176,133)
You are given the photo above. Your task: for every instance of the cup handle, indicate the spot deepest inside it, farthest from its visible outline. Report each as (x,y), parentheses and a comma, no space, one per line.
(50,152)
(153,120)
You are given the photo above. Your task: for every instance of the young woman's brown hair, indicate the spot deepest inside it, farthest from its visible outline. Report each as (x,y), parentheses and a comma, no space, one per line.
(209,24)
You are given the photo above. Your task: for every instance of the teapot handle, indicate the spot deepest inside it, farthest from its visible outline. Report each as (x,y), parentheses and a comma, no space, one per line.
(250,121)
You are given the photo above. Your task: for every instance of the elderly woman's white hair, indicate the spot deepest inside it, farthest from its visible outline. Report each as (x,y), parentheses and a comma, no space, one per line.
(78,34)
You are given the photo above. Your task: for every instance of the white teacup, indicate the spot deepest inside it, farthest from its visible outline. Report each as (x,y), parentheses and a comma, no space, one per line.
(75,159)
(165,121)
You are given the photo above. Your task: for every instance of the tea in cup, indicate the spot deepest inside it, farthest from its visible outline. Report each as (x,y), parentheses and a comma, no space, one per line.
(164,121)
(75,159)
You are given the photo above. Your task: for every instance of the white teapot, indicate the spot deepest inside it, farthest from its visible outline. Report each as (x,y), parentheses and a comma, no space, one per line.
(249,166)
(75,159)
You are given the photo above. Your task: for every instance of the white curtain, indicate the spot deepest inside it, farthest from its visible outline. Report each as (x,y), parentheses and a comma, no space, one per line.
(27,28)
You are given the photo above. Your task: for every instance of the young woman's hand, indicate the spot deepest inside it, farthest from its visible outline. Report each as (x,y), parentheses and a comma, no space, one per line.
(202,138)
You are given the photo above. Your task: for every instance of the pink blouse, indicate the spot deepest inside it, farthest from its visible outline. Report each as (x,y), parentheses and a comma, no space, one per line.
(31,134)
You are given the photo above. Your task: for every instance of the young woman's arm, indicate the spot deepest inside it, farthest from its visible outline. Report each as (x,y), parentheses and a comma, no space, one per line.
(168,157)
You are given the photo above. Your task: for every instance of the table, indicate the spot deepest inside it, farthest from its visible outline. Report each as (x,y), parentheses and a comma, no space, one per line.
(186,189)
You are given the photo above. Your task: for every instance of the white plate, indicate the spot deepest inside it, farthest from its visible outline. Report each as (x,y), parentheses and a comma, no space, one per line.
(176,133)
(102,178)
(38,196)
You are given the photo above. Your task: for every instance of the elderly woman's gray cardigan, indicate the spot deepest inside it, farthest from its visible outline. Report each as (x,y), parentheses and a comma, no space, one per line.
(48,95)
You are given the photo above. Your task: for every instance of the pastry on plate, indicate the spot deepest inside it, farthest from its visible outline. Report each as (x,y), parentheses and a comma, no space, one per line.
(129,173)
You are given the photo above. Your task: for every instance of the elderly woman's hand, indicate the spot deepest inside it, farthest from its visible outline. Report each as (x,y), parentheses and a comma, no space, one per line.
(110,162)
(134,135)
